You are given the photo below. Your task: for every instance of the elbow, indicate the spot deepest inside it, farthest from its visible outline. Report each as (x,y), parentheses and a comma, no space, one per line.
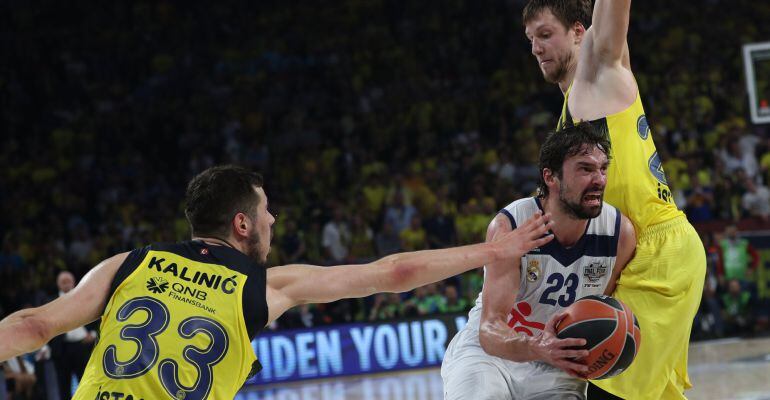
(487,338)
(485,341)
(399,276)
(500,341)
(37,329)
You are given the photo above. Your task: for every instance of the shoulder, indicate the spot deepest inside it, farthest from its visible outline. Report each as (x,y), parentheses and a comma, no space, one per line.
(520,210)
(523,204)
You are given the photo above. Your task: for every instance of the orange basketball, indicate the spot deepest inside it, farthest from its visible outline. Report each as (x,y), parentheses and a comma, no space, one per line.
(611,332)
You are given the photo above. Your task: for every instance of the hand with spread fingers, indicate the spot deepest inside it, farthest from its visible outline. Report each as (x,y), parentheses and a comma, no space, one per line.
(532,234)
(561,353)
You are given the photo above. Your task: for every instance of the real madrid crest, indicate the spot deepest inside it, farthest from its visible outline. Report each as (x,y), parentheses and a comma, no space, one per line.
(533,270)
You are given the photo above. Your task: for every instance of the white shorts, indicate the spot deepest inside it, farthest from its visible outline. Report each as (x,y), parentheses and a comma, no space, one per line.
(470,373)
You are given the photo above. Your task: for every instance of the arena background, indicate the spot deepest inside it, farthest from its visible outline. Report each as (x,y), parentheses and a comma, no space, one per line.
(407,124)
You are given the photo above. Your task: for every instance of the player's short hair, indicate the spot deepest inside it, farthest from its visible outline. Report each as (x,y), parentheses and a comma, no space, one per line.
(216,195)
(566,143)
(566,11)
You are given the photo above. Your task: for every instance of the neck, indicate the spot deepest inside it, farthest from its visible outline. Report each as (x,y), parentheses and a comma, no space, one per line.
(221,242)
(567,229)
(565,82)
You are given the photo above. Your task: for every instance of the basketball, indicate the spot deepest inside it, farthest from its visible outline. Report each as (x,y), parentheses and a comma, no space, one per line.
(611,332)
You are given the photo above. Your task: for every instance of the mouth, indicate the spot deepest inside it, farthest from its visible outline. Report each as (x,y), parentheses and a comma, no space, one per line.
(593,199)
(544,62)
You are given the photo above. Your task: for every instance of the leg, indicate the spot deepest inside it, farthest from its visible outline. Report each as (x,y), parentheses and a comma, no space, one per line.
(469,373)
(478,379)
(541,381)
(663,285)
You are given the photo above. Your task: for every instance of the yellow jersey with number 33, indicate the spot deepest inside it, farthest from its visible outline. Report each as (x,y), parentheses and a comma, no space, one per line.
(178,325)
(636,183)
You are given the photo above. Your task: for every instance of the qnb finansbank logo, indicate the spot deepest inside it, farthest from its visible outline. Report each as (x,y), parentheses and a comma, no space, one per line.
(157,285)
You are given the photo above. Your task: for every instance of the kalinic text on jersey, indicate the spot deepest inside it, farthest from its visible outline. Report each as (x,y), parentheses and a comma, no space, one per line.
(178,325)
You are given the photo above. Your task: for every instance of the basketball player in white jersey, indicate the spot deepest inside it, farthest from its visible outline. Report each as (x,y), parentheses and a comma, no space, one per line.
(508,349)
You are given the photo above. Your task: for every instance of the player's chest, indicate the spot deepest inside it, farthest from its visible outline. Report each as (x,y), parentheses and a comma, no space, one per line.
(546,281)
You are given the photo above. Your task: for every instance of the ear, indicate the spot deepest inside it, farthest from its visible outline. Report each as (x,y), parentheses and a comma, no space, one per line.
(549,177)
(579,31)
(241,224)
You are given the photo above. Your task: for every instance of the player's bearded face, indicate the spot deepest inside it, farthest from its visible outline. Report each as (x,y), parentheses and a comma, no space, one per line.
(556,71)
(261,232)
(259,243)
(581,204)
(254,248)
(553,45)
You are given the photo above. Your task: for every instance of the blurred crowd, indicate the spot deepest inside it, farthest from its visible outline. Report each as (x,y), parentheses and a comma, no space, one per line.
(380,126)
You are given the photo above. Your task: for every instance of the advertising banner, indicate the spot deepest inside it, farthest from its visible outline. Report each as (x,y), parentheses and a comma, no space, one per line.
(351,349)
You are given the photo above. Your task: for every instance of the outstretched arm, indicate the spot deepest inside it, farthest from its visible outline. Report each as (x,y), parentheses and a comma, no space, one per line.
(27,330)
(298,284)
(501,283)
(609,28)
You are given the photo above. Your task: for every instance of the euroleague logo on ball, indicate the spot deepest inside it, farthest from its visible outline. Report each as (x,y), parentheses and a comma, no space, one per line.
(606,357)
(611,331)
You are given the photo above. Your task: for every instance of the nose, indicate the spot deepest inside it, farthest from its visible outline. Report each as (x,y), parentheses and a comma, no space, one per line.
(600,178)
(537,49)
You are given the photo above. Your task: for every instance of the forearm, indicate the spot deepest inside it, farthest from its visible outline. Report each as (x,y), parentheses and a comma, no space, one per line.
(406,271)
(498,339)
(22,332)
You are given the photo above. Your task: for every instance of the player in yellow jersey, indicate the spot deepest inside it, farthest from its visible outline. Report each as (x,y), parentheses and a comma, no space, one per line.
(177,320)
(663,283)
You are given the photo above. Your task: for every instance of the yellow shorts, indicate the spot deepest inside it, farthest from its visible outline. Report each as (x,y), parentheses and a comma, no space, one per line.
(663,285)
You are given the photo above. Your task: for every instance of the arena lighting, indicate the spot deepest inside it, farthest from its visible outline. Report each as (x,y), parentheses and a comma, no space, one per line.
(756,59)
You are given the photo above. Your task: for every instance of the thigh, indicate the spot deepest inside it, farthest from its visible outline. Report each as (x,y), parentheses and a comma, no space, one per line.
(470,373)
(543,381)
(478,378)
(663,288)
